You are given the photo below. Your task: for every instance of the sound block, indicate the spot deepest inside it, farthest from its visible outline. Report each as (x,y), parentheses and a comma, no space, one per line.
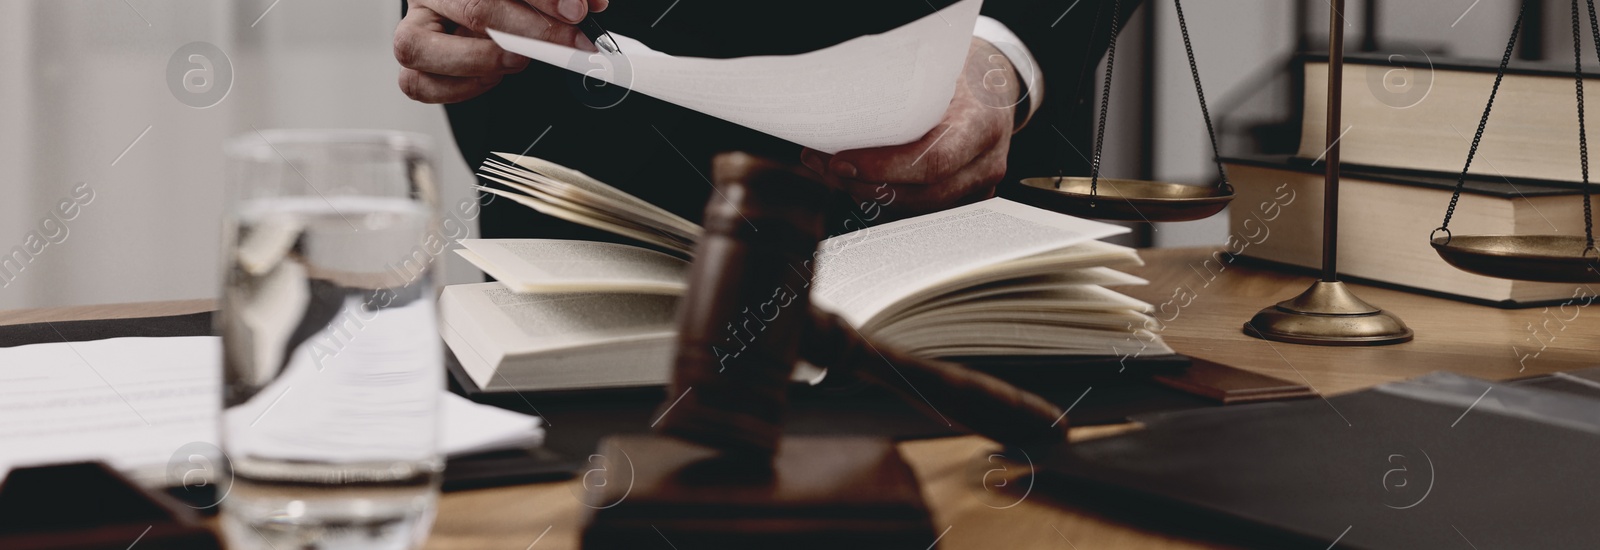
(1231,385)
(817,492)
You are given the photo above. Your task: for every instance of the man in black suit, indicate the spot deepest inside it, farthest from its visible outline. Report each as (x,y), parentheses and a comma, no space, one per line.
(1025,89)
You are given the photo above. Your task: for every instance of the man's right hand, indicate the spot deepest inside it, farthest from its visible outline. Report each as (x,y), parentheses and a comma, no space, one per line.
(446,55)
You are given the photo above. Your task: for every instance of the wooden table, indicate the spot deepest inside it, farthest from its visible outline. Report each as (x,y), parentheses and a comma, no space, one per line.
(1203,317)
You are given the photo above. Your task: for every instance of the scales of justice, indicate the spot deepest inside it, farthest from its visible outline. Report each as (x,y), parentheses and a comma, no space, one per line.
(1329,313)
(719,469)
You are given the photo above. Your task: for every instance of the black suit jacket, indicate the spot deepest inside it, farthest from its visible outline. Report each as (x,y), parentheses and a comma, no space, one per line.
(660,152)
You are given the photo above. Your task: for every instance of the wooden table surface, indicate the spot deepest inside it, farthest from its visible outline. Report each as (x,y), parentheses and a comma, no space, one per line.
(1205,319)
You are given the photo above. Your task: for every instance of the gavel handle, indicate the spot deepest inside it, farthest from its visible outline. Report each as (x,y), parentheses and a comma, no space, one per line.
(978,402)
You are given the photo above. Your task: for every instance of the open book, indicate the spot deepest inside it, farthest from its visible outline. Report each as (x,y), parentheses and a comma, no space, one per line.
(990,279)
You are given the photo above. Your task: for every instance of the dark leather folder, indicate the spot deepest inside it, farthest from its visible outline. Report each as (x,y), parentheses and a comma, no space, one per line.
(1440,462)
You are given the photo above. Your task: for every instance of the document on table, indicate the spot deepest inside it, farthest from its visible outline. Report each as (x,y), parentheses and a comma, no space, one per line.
(870,91)
(134,402)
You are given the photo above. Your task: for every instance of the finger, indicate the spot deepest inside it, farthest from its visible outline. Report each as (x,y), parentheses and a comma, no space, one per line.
(816,160)
(571,11)
(421,16)
(514,16)
(429,51)
(597,6)
(433,88)
(971,183)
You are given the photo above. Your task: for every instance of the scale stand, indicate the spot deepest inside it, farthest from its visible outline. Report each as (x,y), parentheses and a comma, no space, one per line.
(1329,313)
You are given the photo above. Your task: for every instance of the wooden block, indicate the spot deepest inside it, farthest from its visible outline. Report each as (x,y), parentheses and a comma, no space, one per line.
(818,492)
(1231,385)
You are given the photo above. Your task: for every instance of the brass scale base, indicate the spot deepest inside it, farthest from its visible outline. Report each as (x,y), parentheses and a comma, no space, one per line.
(1328,314)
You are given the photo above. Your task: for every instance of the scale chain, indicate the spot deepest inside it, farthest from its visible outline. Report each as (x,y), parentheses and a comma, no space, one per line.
(1588,210)
(1089,61)
(1200,92)
(1499,75)
(1105,100)
(1577,83)
(1105,97)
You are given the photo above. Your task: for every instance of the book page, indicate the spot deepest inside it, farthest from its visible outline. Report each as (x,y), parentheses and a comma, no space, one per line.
(863,273)
(352,392)
(135,402)
(130,401)
(565,319)
(533,323)
(492,323)
(1003,337)
(998,295)
(587,217)
(870,91)
(559,265)
(572,185)
(1078,257)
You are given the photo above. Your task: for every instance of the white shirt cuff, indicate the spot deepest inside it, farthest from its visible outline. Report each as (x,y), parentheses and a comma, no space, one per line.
(996,33)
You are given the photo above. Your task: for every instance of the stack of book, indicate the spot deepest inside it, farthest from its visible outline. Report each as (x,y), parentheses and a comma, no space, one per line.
(1409,123)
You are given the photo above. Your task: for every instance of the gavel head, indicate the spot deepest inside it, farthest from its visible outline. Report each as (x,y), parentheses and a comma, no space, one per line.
(740,323)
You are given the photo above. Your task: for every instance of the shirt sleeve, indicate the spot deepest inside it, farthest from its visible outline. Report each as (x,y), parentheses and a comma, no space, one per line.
(1027,67)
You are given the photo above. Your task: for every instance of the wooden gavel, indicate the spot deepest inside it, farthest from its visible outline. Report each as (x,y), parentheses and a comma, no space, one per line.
(747,319)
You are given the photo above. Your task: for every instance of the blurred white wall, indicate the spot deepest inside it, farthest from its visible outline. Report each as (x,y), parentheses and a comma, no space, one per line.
(1234,41)
(85,78)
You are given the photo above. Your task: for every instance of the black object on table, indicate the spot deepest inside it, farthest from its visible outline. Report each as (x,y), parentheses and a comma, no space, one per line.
(87,505)
(1443,461)
(577,420)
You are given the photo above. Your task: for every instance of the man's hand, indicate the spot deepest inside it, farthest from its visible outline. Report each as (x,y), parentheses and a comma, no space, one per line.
(446,54)
(957,162)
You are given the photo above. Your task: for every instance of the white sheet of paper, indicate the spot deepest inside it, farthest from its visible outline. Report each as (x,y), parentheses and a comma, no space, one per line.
(133,402)
(471,427)
(869,91)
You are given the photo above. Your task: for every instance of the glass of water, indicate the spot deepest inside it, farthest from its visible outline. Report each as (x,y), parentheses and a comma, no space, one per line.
(333,366)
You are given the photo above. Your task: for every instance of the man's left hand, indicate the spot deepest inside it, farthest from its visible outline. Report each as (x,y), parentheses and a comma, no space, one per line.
(959,161)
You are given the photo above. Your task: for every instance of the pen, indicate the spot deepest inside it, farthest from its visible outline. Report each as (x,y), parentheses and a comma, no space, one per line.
(597,34)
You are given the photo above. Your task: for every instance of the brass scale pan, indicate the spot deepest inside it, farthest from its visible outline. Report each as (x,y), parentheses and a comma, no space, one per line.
(1545,258)
(1131,200)
(1127,200)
